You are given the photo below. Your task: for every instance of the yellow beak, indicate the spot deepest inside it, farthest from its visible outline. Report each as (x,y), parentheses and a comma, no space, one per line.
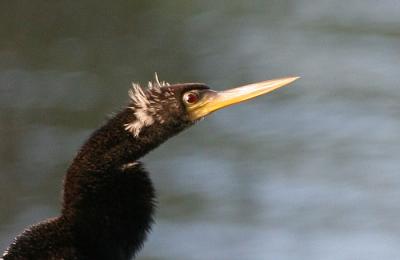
(214,100)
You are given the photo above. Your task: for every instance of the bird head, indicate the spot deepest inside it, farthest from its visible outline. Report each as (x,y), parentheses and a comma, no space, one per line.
(181,105)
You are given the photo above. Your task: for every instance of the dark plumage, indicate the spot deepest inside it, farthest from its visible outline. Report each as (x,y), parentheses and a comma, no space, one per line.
(108,201)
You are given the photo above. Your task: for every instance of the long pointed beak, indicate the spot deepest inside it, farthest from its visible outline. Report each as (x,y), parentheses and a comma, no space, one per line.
(214,100)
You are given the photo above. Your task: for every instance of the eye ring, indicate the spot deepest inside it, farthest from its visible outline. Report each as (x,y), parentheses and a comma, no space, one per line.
(191,97)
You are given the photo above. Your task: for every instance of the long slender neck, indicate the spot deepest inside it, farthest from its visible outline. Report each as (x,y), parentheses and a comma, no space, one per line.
(112,145)
(108,204)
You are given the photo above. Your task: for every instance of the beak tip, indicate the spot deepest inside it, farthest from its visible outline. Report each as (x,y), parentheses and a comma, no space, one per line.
(291,79)
(288,80)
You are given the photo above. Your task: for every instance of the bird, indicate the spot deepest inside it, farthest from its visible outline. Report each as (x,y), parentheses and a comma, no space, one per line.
(108,198)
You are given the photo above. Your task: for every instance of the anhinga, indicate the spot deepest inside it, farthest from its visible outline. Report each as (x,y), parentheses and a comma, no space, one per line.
(108,201)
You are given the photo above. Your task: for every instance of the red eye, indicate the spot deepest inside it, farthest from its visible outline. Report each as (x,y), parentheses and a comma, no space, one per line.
(190,97)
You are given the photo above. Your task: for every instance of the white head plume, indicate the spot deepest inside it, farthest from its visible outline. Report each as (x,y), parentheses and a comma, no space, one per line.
(144,103)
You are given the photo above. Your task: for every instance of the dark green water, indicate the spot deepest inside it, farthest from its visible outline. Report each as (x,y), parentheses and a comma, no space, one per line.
(309,172)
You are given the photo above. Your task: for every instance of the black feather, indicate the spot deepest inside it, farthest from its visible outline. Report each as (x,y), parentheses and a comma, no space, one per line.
(109,200)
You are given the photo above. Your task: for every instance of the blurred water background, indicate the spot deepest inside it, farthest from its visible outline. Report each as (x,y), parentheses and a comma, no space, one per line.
(309,172)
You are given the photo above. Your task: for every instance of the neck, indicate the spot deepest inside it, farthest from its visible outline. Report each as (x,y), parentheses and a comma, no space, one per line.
(112,145)
(108,196)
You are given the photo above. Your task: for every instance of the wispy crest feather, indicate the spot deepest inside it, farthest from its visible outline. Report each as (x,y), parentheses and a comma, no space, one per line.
(140,96)
(143,104)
